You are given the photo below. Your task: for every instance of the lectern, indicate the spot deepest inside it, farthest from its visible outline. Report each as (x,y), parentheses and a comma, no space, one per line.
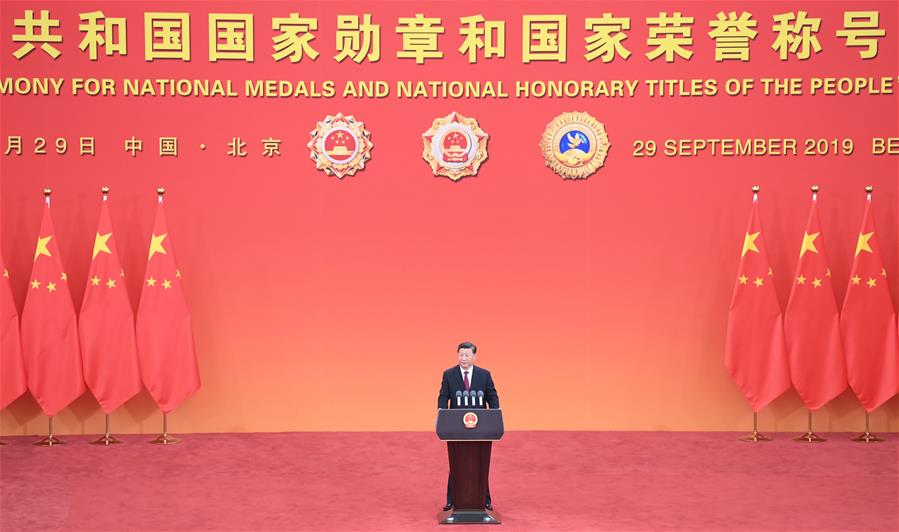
(469,434)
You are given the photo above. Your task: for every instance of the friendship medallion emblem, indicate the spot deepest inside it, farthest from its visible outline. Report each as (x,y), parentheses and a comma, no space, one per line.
(340,145)
(470,420)
(455,146)
(574,145)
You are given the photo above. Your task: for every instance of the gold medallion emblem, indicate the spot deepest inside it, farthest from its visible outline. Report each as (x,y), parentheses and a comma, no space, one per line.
(574,145)
(470,420)
(340,145)
(455,146)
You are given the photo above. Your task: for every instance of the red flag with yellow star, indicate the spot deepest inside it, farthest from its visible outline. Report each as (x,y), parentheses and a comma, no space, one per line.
(165,341)
(868,322)
(812,324)
(12,367)
(49,330)
(754,351)
(106,324)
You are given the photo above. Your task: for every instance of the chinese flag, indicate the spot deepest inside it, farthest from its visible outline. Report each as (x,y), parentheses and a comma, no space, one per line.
(49,331)
(165,341)
(754,351)
(106,324)
(869,322)
(12,366)
(812,324)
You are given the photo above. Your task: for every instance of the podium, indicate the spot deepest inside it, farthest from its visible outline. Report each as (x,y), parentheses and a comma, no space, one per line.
(469,434)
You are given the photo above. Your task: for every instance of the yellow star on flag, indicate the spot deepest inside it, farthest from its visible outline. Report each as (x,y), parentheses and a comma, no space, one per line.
(816,282)
(35,283)
(178,274)
(863,244)
(156,245)
(51,287)
(64,277)
(151,281)
(41,249)
(872,282)
(808,243)
(828,272)
(770,271)
(883,272)
(759,281)
(101,245)
(749,243)
(743,279)
(800,279)
(95,281)
(166,284)
(5,273)
(110,283)
(856,279)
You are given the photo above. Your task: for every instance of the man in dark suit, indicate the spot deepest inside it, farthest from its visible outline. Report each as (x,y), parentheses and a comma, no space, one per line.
(466,376)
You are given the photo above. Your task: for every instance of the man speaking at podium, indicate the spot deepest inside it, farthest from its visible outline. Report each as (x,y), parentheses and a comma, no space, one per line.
(466,377)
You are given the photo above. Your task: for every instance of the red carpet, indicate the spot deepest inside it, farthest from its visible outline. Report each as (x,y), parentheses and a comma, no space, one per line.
(397,481)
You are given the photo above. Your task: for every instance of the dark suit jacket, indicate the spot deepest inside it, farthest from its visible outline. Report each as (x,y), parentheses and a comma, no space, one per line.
(480,381)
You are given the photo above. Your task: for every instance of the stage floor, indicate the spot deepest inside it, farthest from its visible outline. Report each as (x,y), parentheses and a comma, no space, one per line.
(397,481)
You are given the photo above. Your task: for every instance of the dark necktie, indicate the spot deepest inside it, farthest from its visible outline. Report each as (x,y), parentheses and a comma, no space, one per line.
(467,382)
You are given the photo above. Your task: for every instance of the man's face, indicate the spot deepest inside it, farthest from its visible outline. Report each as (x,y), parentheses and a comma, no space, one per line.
(466,358)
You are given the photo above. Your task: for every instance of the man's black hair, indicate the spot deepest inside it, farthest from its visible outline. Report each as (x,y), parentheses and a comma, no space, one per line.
(468,345)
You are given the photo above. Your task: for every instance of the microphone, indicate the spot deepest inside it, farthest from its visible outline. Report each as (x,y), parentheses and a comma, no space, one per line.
(458,398)
(465,395)
(481,397)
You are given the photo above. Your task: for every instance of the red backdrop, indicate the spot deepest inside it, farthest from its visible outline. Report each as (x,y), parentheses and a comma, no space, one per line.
(597,304)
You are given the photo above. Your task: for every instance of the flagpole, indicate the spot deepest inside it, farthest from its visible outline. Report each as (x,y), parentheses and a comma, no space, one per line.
(867,437)
(810,436)
(164,438)
(50,440)
(755,436)
(106,438)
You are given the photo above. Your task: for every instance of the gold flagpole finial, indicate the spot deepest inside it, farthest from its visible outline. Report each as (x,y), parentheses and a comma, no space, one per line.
(869,189)
(47,192)
(755,189)
(105,192)
(159,193)
(815,189)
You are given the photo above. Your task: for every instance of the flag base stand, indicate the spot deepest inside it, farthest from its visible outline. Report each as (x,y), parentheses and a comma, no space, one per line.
(106,438)
(164,438)
(49,440)
(867,437)
(755,436)
(810,436)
